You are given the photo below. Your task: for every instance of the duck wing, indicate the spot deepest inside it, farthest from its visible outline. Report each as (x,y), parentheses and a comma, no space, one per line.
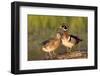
(46,42)
(75,38)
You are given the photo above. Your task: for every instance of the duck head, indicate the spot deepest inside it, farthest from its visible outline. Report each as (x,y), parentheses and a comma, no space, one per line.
(64,27)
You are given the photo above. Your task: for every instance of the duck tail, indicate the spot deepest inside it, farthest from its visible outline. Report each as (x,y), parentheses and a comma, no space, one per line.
(80,39)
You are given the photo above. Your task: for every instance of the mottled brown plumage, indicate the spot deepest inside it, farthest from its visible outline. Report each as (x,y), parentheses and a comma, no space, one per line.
(51,44)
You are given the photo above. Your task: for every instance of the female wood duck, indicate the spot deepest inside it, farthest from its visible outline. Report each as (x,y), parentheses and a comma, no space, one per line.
(51,45)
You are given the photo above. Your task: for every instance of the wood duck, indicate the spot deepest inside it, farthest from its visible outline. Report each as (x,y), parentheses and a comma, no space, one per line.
(68,40)
(51,45)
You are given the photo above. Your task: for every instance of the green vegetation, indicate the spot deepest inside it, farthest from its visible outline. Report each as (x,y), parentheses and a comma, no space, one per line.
(41,28)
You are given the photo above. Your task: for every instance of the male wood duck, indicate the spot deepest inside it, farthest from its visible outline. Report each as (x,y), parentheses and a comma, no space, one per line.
(68,40)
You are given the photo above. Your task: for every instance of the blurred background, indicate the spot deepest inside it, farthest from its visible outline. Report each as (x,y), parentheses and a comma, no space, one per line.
(41,28)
